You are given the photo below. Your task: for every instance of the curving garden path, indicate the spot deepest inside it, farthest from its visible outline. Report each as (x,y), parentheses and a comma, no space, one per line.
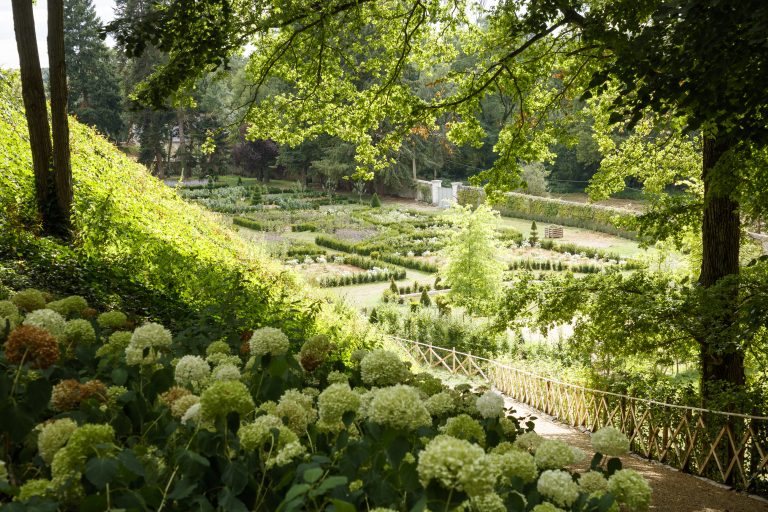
(673,491)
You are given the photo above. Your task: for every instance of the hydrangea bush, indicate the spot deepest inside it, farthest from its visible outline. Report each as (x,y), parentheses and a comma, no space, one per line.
(129,419)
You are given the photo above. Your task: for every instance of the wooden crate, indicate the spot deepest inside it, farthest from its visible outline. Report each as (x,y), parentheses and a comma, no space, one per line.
(553,232)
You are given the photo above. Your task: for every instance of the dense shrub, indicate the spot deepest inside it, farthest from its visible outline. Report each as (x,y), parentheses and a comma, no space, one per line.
(556,211)
(376,271)
(270,434)
(427,325)
(255,225)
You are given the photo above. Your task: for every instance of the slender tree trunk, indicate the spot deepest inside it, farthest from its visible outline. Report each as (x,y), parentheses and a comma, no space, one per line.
(413,163)
(33,95)
(59,120)
(159,170)
(722,361)
(181,151)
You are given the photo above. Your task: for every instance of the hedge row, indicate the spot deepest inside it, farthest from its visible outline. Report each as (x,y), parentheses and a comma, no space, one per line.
(254,224)
(555,266)
(544,209)
(359,278)
(349,247)
(305,250)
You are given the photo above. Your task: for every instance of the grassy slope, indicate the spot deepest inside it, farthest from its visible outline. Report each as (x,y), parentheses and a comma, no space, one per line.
(130,221)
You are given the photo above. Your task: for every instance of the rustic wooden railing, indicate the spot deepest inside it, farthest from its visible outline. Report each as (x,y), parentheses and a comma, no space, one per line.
(726,447)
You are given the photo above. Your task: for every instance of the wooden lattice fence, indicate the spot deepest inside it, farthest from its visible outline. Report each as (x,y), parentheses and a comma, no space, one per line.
(725,447)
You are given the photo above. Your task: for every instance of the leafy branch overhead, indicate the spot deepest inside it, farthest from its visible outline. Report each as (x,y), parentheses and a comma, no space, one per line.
(348,68)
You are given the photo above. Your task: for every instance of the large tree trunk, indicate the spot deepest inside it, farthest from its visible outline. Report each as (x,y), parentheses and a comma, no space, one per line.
(722,362)
(59,120)
(33,95)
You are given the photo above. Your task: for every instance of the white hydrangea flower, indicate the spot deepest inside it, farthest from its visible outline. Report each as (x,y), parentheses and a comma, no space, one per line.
(53,436)
(553,454)
(383,368)
(456,464)
(192,415)
(334,402)
(546,507)
(514,463)
(226,371)
(440,404)
(558,486)
(192,371)
(399,407)
(630,489)
(48,320)
(269,340)
(286,454)
(610,441)
(146,343)
(490,502)
(490,404)
(151,335)
(593,481)
(528,441)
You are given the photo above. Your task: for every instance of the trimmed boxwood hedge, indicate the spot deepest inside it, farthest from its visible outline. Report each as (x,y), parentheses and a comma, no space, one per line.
(557,211)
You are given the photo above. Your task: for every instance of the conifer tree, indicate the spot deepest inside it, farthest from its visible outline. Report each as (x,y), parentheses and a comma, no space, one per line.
(534,236)
(473,268)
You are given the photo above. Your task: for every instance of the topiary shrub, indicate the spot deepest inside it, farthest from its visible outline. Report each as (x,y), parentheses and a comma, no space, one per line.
(375,201)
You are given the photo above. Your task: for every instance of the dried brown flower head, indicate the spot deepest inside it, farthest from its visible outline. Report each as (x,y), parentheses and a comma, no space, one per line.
(66,395)
(31,345)
(173,394)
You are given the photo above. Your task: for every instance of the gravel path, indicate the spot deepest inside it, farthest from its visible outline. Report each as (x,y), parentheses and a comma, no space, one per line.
(673,491)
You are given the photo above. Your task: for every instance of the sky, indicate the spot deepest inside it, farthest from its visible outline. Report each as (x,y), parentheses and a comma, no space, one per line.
(9,57)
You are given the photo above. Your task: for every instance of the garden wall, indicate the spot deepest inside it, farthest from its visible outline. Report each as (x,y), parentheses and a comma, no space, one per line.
(556,211)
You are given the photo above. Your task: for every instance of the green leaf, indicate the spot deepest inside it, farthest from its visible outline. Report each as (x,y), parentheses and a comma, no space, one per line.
(119,376)
(342,506)
(228,501)
(606,503)
(613,465)
(296,490)
(421,505)
(38,396)
(190,462)
(235,476)
(130,462)
(396,450)
(182,489)
(312,475)
(92,503)
(100,471)
(329,483)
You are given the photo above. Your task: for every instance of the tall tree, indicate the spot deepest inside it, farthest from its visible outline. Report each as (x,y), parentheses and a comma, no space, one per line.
(704,62)
(94,86)
(473,268)
(50,159)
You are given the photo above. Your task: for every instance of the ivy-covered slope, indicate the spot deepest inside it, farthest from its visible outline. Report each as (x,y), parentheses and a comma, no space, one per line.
(134,236)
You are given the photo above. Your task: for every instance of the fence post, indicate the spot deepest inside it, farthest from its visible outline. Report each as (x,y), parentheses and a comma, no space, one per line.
(453,359)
